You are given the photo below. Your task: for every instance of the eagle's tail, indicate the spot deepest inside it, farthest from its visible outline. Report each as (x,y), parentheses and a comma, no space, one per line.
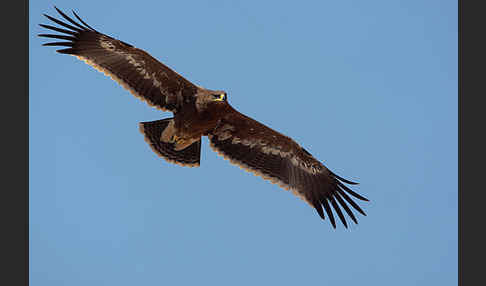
(189,156)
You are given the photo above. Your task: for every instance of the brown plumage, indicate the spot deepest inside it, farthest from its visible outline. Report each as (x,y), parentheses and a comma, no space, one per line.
(202,112)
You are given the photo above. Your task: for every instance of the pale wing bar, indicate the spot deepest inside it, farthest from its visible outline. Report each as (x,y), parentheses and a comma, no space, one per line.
(320,190)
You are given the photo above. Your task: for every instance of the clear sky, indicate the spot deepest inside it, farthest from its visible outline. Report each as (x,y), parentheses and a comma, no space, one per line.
(368,87)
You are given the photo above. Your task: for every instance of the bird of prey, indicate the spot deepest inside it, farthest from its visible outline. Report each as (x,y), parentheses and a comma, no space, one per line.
(199,112)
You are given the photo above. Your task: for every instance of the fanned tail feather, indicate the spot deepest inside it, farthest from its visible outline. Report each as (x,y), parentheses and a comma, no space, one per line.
(152,130)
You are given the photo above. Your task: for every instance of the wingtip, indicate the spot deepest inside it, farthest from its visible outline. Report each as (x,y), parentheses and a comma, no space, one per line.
(58,10)
(347,181)
(342,179)
(318,208)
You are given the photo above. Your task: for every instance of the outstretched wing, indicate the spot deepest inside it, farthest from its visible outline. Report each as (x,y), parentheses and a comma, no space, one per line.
(276,157)
(134,69)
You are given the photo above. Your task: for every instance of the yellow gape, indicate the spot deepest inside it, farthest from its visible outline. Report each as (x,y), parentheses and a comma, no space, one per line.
(221,97)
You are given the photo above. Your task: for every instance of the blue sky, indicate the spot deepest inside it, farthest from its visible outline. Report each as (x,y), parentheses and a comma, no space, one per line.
(368,87)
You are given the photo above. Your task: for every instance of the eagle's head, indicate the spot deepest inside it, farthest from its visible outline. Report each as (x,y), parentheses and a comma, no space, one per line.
(206,98)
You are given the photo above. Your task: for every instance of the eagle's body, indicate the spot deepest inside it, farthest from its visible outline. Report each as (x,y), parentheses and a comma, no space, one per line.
(202,112)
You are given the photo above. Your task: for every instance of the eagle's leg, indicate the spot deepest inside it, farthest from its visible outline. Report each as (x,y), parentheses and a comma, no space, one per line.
(178,140)
(170,135)
(181,143)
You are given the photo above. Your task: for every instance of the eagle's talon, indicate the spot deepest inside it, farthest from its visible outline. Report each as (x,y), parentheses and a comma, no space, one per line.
(178,140)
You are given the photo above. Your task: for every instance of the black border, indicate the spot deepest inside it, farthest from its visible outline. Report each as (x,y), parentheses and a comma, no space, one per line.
(15,133)
(460,143)
(471,142)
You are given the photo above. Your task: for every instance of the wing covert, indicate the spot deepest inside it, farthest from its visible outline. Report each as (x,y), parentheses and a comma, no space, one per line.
(273,156)
(134,69)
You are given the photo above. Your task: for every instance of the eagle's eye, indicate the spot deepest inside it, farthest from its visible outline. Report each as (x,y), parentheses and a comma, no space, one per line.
(219,97)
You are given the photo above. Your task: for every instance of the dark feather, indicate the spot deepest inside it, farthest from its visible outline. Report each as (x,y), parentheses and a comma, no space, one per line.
(58,29)
(72,21)
(66,51)
(67,44)
(63,24)
(346,208)
(344,180)
(62,37)
(350,201)
(81,20)
(338,211)
(329,212)
(317,205)
(351,192)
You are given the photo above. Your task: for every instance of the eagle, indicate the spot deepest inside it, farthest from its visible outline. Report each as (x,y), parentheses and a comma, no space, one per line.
(199,112)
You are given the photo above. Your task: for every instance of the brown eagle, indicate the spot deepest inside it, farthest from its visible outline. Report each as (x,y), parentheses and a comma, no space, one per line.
(202,112)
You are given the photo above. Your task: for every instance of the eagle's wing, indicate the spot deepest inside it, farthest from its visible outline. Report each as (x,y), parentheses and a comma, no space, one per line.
(134,69)
(276,157)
